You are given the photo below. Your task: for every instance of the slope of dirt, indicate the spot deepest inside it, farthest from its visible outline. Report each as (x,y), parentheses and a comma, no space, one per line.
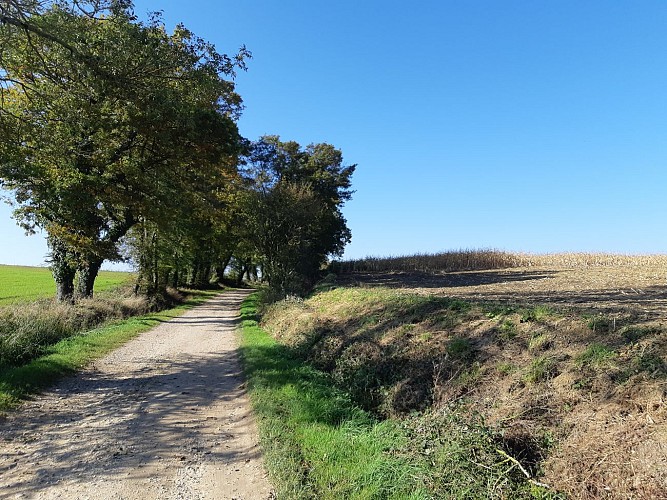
(165,416)
(567,366)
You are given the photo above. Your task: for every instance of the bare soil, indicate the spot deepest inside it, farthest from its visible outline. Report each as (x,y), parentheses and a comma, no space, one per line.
(166,416)
(638,289)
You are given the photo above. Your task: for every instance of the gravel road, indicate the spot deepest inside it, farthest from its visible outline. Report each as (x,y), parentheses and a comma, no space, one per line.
(163,417)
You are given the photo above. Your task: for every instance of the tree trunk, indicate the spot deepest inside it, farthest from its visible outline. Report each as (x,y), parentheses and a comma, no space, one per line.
(65,286)
(87,273)
(63,270)
(221,266)
(204,276)
(244,269)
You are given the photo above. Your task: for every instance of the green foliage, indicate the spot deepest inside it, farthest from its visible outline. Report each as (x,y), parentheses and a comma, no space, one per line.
(505,368)
(460,348)
(596,356)
(497,310)
(507,330)
(647,362)
(601,324)
(464,458)
(539,341)
(293,210)
(541,369)
(107,122)
(317,444)
(537,314)
(27,330)
(634,334)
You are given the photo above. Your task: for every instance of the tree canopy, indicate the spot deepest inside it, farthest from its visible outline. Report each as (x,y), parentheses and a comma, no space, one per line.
(116,132)
(293,209)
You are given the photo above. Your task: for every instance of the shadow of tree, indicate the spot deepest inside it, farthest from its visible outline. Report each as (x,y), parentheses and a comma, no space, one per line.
(451,279)
(100,424)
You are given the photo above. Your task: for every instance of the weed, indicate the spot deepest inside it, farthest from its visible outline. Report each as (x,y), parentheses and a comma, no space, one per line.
(633,334)
(407,328)
(539,341)
(465,458)
(426,336)
(602,324)
(507,330)
(370,321)
(460,349)
(446,319)
(650,363)
(497,311)
(536,314)
(596,356)
(459,305)
(360,370)
(505,368)
(541,369)
(468,377)
(584,383)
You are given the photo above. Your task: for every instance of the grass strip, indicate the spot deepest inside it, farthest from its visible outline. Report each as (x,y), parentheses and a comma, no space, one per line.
(73,353)
(317,443)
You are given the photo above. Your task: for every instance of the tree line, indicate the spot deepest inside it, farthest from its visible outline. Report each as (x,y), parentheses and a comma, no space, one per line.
(120,138)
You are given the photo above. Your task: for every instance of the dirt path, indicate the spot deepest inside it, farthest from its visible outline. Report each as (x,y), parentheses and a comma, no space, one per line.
(165,416)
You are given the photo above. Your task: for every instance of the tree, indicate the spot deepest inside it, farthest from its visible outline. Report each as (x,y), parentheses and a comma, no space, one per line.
(107,122)
(293,210)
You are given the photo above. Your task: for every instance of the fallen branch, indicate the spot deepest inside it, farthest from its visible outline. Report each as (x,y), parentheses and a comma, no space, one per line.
(515,461)
(522,468)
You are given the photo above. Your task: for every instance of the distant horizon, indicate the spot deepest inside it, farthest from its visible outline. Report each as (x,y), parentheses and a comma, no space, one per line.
(126,267)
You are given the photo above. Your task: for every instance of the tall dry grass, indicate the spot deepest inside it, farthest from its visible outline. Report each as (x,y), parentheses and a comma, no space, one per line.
(28,329)
(477,260)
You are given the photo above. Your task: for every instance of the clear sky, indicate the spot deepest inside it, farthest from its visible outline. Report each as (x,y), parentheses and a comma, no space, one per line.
(528,126)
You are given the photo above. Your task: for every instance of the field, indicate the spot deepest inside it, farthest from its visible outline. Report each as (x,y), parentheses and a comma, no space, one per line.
(559,364)
(19,283)
(31,321)
(614,289)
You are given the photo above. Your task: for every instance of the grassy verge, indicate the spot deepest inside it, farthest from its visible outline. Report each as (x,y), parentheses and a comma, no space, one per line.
(68,355)
(319,444)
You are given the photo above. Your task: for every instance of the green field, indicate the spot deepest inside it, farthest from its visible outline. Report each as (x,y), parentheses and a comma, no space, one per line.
(19,283)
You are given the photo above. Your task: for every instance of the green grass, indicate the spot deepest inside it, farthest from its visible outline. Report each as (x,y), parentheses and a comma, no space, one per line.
(25,284)
(541,369)
(319,444)
(71,354)
(596,356)
(537,313)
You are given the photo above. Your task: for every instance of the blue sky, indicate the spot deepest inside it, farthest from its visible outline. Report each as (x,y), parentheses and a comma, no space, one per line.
(527,126)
